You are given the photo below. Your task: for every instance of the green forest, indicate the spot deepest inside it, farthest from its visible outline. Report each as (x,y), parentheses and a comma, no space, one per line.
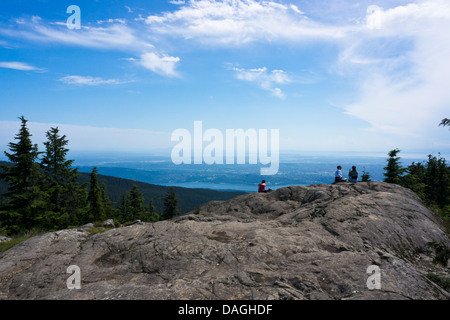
(430,179)
(42,190)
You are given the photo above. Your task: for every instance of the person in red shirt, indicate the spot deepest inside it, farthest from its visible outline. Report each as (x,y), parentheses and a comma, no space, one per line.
(262,187)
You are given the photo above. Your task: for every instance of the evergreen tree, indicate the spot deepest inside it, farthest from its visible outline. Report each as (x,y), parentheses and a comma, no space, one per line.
(135,203)
(170,205)
(123,209)
(393,170)
(415,179)
(151,215)
(437,180)
(96,210)
(23,202)
(110,211)
(60,179)
(81,204)
(365,177)
(430,180)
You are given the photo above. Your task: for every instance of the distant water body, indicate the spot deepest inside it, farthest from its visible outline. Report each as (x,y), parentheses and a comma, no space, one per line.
(294,169)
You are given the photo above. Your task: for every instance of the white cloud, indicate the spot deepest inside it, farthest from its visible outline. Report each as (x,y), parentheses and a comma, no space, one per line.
(89,81)
(161,64)
(266,80)
(118,20)
(240,21)
(403,68)
(117,35)
(21,66)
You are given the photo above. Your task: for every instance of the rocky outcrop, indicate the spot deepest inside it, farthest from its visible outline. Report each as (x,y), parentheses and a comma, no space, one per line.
(4,239)
(314,242)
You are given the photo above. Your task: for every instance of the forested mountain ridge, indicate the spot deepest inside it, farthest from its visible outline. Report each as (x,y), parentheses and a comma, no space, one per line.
(189,199)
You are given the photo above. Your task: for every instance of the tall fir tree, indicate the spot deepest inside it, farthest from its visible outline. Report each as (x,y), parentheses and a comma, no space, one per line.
(110,211)
(135,203)
(151,214)
(24,199)
(170,205)
(96,210)
(123,209)
(60,180)
(437,180)
(394,170)
(82,207)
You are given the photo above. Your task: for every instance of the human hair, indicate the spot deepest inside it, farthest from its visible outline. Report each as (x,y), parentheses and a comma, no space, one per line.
(354,168)
(339,167)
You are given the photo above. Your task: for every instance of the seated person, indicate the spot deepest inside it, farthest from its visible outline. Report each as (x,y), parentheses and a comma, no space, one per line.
(262,187)
(353,175)
(338,175)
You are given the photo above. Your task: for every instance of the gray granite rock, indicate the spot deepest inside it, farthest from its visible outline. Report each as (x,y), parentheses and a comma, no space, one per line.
(313,242)
(4,239)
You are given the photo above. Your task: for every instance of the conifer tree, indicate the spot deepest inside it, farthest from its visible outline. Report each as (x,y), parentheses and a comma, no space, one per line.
(151,215)
(60,179)
(170,205)
(110,211)
(81,213)
(393,170)
(135,203)
(96,210)
(23,202)
(365,177)
(123,208)
(437,180)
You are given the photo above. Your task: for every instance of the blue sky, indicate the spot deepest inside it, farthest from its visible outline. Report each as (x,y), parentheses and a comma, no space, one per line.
(330,75)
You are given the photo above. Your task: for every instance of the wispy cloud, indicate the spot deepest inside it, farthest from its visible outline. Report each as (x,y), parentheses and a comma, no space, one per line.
(115,35)
(402,66)
(22,66)
(89,81)
(240,21)
(267,80)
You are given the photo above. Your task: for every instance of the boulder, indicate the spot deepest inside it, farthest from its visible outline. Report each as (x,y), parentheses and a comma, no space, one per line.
(109,223)
(86,226)
(4,239)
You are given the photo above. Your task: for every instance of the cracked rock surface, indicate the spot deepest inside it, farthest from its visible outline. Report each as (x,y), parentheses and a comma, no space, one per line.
(312,242)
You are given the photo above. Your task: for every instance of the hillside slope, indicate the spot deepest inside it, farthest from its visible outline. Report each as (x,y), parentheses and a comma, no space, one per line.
(313,242)
(188,199)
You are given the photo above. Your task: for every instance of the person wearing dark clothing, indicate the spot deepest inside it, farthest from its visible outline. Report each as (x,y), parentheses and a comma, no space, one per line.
(353,175)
